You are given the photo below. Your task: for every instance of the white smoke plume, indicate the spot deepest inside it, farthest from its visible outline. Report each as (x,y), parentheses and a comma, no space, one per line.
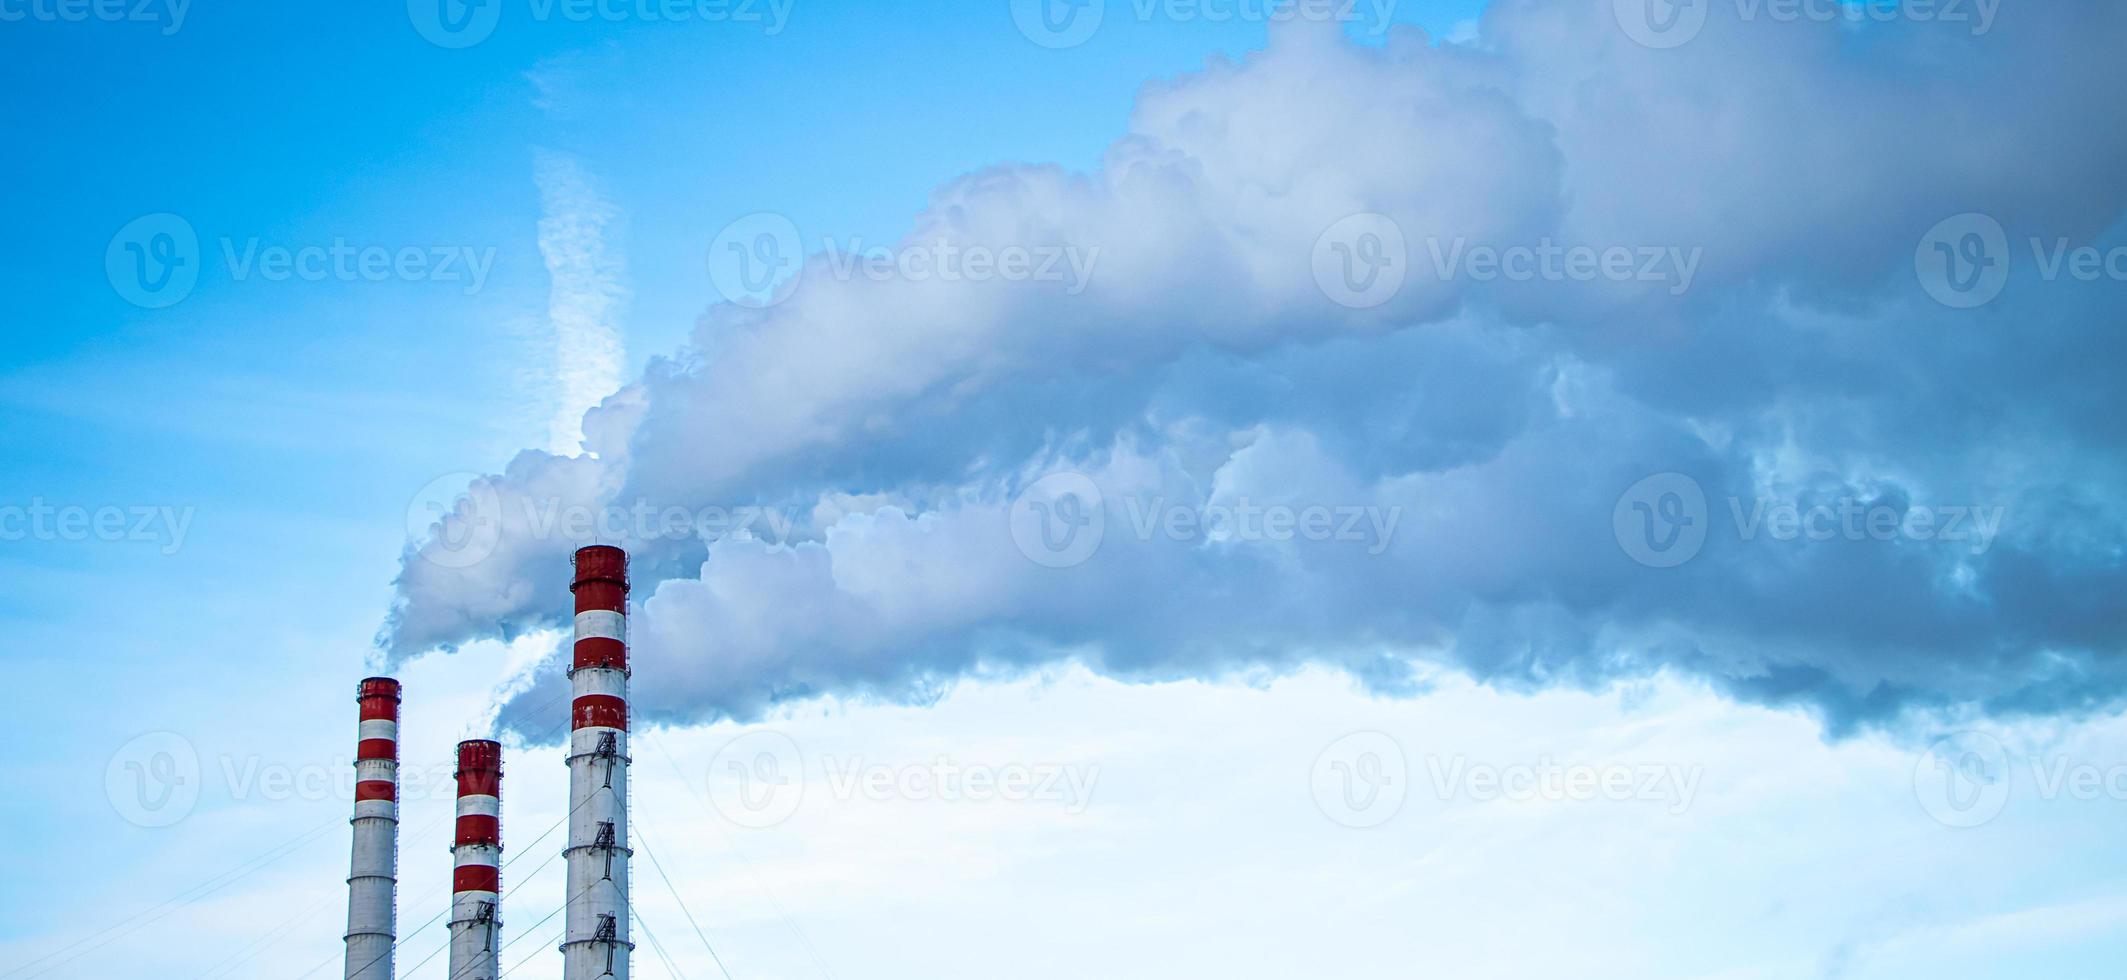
(1476,431)
(587,296)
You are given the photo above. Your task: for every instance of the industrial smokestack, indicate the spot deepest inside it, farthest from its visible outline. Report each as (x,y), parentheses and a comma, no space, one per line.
(372,883)
(595,942)
(476,856)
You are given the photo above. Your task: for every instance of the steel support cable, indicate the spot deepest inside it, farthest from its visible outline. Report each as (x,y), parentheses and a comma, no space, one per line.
(286,928)
(505,864)
(272,936)
(683,909)
(533,954)
(195,894)
(747,863)
(410,971)
(401,941)
(671,968)
(446,909)
(549,918)
(179,896)
(535,926)
(403,938)
(498,952)
(550,732)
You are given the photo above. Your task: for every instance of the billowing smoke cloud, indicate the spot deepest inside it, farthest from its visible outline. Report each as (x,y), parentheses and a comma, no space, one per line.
(1553,356)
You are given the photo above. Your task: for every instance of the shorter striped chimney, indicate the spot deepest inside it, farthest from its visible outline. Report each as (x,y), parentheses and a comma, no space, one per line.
(476,877)
(372,882)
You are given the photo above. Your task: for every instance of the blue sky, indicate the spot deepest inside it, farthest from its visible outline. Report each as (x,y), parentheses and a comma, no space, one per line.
(272,440)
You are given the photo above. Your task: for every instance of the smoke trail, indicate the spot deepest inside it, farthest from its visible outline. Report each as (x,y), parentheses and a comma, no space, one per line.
(1635,313)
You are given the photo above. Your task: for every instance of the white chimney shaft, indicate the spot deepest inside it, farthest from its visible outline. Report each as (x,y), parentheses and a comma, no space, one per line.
(372,883)
(595,942)
(476,858)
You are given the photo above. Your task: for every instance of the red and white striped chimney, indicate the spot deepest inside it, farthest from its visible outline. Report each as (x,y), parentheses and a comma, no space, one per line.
(595,941)
(372,883)
(476,856)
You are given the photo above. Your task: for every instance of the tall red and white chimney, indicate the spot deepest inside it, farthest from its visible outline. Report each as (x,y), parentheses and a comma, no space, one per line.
(372,883)
(595,941)
(476,856)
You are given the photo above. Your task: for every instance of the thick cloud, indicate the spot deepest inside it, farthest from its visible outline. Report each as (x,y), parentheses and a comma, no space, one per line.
(1437,475)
